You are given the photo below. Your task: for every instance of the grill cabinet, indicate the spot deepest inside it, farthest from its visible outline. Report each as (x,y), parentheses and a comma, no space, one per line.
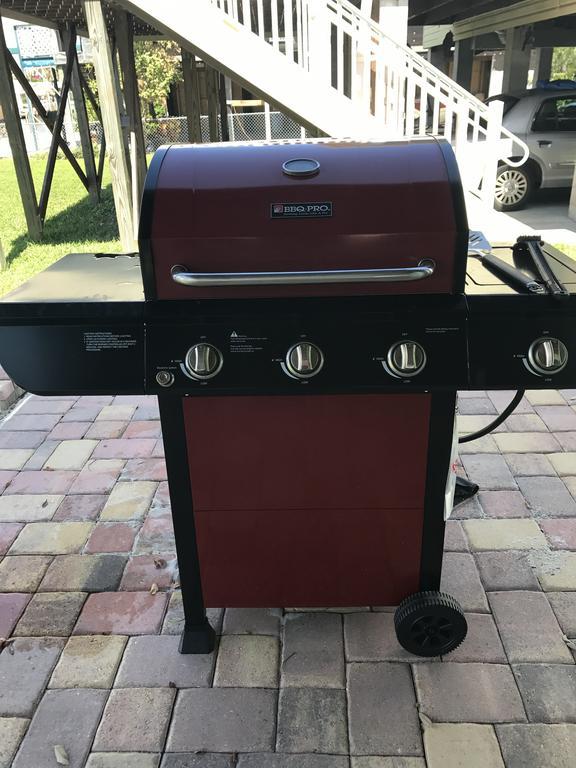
(304,315)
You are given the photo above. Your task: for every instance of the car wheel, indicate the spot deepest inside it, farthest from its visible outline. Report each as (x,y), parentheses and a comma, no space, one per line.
(513,188)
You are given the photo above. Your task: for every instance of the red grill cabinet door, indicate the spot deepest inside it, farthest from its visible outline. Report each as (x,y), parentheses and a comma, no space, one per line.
(308,501)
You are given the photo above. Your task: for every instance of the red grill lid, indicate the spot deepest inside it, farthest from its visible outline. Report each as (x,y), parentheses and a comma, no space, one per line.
(303,206)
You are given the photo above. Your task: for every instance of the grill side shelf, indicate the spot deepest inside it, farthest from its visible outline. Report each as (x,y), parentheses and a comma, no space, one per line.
(82,357)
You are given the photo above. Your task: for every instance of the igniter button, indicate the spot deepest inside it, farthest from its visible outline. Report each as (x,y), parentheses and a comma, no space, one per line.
(165,378)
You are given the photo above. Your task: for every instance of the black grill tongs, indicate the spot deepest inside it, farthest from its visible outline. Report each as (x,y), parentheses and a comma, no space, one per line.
(531,246)
(481,249)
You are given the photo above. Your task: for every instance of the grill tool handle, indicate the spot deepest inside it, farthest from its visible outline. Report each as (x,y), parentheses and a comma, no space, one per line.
(533,243)
(205,279)
(513,277)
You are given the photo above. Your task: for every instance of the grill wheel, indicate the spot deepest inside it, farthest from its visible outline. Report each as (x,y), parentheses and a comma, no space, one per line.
(430,624)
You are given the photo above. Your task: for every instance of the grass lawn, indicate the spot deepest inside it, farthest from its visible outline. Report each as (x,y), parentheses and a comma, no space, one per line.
(569,250)
(72,222)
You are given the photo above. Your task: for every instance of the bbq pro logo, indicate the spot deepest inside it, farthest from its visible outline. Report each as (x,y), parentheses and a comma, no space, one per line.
(300,210)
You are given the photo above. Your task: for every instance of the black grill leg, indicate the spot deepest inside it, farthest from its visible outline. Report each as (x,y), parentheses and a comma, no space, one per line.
(198,635)
(199,639)
(442,413)
(465,489)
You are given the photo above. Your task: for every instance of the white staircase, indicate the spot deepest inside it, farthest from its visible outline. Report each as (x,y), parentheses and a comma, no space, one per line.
(334,69)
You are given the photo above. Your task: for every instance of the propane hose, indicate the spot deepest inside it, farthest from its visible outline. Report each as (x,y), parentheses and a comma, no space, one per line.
(512,405)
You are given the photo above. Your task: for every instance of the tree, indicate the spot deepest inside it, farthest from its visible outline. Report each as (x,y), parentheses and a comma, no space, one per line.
(158,66)
(564,64)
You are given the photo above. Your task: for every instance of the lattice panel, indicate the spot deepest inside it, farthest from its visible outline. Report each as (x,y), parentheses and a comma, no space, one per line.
(36,42)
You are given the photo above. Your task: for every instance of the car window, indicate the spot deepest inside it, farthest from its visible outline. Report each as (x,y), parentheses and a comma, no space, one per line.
(557,114)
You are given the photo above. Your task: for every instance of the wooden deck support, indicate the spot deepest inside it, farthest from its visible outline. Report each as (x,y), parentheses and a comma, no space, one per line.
(83,124)
(191,96)
(46,117)
(110,109)
(124,29)
(213,92)
(57,128)
(223,108)
(17,143)
(96,107)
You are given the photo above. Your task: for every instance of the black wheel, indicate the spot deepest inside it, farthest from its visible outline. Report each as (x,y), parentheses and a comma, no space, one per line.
(514,187)
(430,624)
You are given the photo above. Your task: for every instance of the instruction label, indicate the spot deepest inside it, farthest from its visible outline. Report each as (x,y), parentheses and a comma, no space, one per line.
(100,341)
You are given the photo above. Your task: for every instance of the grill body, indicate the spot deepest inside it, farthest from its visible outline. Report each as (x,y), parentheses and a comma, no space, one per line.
(329,488)
(306,492)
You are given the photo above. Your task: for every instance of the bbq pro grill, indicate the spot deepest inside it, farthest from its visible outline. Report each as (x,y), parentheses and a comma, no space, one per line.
(304,313)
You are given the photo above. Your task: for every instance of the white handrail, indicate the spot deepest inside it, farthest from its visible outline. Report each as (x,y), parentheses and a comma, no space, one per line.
(398,91)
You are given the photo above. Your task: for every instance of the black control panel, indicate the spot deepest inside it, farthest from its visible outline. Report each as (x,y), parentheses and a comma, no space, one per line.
(522,342)
(104,338)
(299,351)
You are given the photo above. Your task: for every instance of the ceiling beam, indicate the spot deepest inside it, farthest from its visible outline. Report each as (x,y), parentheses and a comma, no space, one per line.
(26,18)
(448,11)
(517,15)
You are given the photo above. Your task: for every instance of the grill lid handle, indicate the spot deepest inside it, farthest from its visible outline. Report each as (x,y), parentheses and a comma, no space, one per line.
(398,275)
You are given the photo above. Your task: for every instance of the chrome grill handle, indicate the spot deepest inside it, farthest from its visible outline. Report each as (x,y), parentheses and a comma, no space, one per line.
(181,276)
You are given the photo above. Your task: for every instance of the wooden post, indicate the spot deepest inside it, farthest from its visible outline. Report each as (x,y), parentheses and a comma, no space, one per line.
(96,107)
(110,110)
(212,91)
(57,129)
(83,123)
(17,144)
(121,102)
(191,96)
(223,108)
(124,29)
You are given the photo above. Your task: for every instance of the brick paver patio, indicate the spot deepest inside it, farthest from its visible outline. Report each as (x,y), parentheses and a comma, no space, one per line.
(89,599)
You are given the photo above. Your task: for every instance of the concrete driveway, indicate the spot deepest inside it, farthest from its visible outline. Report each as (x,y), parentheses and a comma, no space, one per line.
(547,215)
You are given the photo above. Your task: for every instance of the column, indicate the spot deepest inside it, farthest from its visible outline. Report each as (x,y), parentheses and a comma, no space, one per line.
(437,57)
(543,68)
(463,60)
(124,27)
(110,109)
(516,60)
(393,18)
(496,74)
(191,96)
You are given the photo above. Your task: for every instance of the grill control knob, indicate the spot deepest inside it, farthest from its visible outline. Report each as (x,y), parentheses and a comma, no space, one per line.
(547,356)
(203,361)
(304,360)
(406,358)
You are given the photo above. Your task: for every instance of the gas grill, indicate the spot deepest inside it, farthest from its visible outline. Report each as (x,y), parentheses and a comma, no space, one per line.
(305,313)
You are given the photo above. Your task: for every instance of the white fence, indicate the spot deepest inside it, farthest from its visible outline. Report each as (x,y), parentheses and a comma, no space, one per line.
(36,136)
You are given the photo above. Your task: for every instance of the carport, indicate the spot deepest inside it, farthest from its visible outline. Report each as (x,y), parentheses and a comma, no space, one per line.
(498,46)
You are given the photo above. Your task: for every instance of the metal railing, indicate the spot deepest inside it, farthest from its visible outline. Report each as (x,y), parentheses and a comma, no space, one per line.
(399,92)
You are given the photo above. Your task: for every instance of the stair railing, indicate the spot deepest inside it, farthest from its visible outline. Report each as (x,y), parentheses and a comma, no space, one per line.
(400,93)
